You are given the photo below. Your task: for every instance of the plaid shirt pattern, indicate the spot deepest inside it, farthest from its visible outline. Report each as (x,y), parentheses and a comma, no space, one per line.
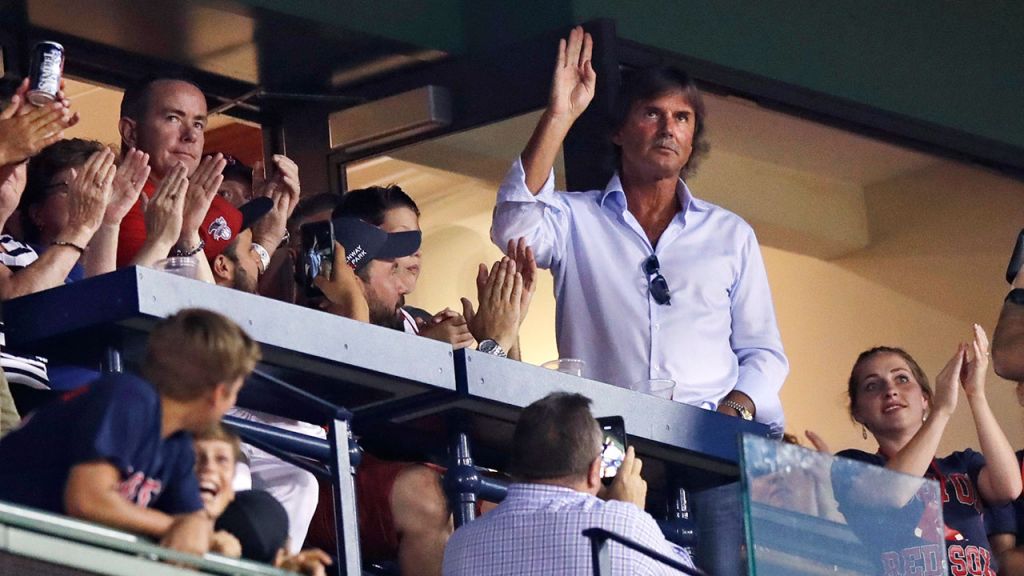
(538,530)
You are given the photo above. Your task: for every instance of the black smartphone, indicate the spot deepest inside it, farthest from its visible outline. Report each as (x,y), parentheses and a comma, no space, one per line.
(1017,259)
(317,253)
(613,446)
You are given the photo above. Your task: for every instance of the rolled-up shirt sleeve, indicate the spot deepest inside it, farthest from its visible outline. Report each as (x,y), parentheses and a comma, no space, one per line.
(755,339)
(543,219)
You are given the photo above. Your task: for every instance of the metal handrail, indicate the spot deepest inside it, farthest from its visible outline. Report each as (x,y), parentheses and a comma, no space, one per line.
(601,556)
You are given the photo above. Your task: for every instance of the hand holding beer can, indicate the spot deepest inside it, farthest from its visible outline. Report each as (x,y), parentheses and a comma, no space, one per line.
(46,72)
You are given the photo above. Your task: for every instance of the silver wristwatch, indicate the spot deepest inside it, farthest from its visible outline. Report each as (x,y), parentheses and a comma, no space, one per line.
(489,346)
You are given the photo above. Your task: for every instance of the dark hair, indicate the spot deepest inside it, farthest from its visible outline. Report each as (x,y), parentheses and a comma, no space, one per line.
(309,206)
(135,101)
(370,204)
(555,437)
(235,169)
(258,521)
(43,167)
(648,83)
(231,251)
(922,379)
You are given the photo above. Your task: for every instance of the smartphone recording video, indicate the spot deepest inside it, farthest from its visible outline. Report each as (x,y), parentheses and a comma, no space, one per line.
(317,253)
(613,446)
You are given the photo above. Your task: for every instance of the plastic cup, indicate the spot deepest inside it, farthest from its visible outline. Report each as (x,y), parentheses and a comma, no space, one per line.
(572,366)
(660,387)
(185,266)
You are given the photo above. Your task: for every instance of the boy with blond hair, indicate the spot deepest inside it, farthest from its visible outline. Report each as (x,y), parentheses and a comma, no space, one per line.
(119,451)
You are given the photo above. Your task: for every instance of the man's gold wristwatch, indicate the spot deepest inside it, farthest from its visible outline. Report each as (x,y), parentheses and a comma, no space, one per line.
(744,412)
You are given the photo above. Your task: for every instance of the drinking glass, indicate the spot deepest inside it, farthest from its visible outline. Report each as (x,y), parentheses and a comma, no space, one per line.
(660,387)
(185,266)
(572,366)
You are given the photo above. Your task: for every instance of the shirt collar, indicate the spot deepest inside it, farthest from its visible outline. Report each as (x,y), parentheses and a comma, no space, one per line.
(524,489)
(613,193)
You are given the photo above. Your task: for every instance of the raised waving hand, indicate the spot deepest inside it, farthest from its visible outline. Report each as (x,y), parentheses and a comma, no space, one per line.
(574,79)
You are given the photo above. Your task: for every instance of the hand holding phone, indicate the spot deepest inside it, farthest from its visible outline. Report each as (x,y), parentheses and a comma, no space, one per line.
(317,254)
(628,484)
(613,446)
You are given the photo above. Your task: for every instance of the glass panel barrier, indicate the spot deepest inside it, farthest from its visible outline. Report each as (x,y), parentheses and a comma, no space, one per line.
(812,513)
(36,542)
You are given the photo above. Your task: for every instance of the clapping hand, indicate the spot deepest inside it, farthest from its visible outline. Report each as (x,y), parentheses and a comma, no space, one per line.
(448,326)
(88,195)
(26,129)
(24,135)
(129,180)
(526,264)
(310,562)
(12,184)
(202,187)
(163,211)
(947,383)
(975,365)
(500,295)
(818,442)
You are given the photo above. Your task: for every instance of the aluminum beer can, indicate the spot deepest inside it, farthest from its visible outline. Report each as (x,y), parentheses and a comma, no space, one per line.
(44,77)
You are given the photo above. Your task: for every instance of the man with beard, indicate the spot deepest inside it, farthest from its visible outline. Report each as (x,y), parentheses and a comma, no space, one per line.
(227,234)
(403,511)
(227,237)
(372,255)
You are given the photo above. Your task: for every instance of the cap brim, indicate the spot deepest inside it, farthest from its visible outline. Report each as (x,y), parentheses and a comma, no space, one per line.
(253,210)
(401,244)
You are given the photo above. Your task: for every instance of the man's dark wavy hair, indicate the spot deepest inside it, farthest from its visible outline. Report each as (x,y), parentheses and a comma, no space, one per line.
(648,83)
(371,204)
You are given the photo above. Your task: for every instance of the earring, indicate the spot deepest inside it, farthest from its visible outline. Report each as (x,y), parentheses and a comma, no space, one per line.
(863,431)
(924,417)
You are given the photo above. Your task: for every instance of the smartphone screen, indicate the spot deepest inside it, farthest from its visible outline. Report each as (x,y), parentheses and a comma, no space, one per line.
(613,446)
(317,253)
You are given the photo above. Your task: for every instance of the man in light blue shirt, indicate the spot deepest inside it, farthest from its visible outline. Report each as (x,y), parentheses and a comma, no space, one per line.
(650,282)
(538,528)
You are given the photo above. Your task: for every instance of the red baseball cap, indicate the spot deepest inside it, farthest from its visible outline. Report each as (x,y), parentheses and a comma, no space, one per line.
(224,222)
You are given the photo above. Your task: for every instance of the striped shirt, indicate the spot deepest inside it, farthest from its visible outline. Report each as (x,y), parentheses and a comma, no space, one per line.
(20,369)
(538,529)
(14,254)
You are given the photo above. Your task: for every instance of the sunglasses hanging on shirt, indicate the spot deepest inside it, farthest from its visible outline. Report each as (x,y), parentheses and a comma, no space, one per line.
(656,282)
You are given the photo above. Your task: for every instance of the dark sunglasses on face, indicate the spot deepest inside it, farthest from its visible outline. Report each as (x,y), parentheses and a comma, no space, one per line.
(656,282)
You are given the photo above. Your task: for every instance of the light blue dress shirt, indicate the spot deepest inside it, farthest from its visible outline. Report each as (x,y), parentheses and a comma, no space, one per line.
(718,333)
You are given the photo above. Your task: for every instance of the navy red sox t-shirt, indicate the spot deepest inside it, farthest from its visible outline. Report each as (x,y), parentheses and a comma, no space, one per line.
(116,419)
(967,547)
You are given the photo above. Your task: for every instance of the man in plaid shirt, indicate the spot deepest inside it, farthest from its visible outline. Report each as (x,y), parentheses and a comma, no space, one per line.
(537,529)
